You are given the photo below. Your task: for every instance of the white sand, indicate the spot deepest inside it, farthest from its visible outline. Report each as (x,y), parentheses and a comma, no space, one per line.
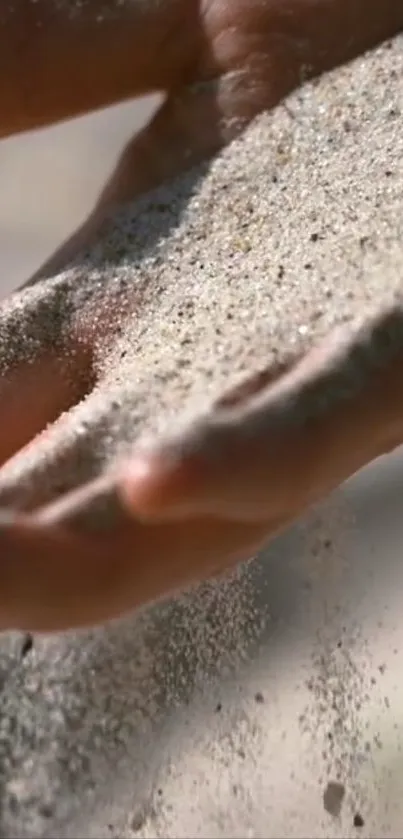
(296,227)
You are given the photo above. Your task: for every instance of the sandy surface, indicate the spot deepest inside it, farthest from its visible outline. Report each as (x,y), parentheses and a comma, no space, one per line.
(229,711)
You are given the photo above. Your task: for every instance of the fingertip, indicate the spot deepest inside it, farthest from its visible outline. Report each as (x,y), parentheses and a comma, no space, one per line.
(155,485)
(145,485)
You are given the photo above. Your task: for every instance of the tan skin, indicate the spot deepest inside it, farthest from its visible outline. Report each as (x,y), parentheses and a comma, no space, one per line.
(193,506)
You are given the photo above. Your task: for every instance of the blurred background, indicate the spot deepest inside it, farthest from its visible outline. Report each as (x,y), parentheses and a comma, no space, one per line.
(50,180)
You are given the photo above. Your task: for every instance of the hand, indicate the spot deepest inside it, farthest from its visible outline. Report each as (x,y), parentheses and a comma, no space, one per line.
(219,63)
(191,506)
(187,508)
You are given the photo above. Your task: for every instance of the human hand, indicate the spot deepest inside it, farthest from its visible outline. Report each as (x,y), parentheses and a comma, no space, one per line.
(84,540)
(218,65)
(190,506)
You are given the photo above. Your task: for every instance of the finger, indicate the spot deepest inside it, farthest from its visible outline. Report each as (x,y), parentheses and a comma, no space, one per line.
(72,322)
(247,58)
(281,449)
(66,567)
(43,369)
(34,395)
(59,60)
(66,454)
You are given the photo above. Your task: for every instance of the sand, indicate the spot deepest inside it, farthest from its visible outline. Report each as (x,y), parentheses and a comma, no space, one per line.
(295,228)
(289,232)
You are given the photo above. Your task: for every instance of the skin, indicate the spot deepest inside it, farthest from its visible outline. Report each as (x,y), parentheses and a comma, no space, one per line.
(192,506)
